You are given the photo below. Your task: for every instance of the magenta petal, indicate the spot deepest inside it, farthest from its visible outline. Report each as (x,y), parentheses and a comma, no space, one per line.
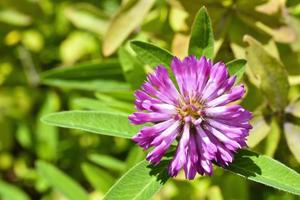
(181,152)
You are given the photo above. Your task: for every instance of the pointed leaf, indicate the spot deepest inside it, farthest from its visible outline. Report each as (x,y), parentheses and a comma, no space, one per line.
(89,85)
(108,162)
(126,20)
(110,69)
(61,182)
(272,74)
(294,108)
(9,191)
(265,170)
(88,17)
(237,68)
(273,138)
(99,178)
(202,38)
(292,134)
(88,76)
(152,55)
(260,130)
(93,121)
(133,69)
(135,155)
(93,104)
(141,182)
(46,137)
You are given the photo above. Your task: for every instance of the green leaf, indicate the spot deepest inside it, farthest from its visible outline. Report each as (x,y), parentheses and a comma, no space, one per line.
(24,135)
(61,182)
(272,74)
(100,179)
(9,191)
(294,108)
(152,55)
(85,43)
(89,85)
(260,130)
(111,124)
(108,162)
(214,193)
(265,170)
(292,134)
(115,103)
(237,68)
(132,68)
(94,104)
(240,189)
(124,22)
(13,17)
(88,76)
(88,17)
(202,37)
(109,69)
(273,138)
(141,182)
(47,136)
(126,96)
(135,155)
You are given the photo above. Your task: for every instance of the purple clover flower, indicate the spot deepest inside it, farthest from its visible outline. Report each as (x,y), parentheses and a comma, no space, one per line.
(200,115)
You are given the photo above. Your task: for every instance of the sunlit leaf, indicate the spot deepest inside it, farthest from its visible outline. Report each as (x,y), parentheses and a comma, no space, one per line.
(108,162)
(237,68)
(104,76)
(152,55)
(87,17)
(240,191)
(292,134)
(273,76)
(85,44)
(202,37)
(124,23)
(10,191)
(109,69)
(133,69)
(180,45)
(61,182)
(260,130)
(141,182)
(214,193)
(14,17)
(24,136)
(120,105)
(47,136)
(94,104)
(294,108)
(282,34)
(111,124)
(265,170)
(135,155)
(93,85)
(99,178)
(273,138)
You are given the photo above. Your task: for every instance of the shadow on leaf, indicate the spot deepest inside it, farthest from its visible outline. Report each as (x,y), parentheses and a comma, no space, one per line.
(160,171)
(243,164)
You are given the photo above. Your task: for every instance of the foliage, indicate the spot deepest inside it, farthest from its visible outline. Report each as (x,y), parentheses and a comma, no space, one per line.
(90,57)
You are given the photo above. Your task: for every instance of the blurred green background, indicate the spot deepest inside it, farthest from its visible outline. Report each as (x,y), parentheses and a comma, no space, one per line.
(40,35)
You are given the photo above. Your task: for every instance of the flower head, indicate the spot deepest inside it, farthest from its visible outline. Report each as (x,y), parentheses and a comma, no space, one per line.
(200,115)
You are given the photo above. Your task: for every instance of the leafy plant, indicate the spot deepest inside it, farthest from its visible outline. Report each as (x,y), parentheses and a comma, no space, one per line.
(143,180)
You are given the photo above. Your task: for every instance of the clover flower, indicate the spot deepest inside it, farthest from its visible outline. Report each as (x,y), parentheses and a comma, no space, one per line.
(200,115)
